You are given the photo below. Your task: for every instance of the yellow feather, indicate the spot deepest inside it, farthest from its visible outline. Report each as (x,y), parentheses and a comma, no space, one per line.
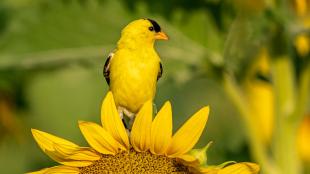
(133,77)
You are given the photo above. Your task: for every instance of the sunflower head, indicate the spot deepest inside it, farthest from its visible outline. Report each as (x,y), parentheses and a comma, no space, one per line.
(149,148)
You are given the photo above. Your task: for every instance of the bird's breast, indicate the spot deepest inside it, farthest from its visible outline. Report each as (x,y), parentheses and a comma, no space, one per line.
(133,78)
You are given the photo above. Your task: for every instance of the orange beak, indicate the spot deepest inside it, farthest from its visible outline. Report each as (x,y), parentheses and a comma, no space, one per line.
(161,36)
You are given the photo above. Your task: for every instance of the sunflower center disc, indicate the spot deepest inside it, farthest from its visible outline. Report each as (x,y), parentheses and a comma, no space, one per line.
(135,163)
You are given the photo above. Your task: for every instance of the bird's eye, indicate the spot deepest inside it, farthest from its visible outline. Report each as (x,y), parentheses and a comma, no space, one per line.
(151,28)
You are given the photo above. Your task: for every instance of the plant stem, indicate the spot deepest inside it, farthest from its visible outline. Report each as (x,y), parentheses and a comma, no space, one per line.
(284,145)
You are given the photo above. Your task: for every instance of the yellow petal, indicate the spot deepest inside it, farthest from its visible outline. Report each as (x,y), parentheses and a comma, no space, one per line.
(68,162)
(189,160)
(46,141)
(161,131)
(188,135)
(112,122)
(98,138)
(141,129)
(42,171)
(80,154)
(209,170)
(54,147)
(303,139)
(57,170)
(240,168)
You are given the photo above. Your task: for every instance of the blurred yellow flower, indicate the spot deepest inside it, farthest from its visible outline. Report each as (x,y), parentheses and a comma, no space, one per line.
(260,97)
(302,7)
(303,139)
(302,40)
(302,44)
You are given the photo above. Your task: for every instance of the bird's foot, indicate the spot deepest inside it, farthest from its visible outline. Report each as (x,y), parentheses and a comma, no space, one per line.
(127,122)
(128,113)
(121,115)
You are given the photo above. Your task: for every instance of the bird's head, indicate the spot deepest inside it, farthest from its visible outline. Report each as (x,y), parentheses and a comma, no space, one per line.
(143,31)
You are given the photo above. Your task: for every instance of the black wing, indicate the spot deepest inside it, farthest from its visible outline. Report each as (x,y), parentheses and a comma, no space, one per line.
(106,69)
(160,72)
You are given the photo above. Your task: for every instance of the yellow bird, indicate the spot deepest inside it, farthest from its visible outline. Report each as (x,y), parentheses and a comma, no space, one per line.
(134,67)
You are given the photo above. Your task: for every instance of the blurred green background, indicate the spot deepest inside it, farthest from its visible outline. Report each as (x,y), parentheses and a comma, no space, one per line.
(52,53)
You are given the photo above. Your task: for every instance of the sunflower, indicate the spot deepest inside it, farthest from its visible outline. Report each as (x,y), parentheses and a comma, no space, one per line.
(303,139)
(149,148)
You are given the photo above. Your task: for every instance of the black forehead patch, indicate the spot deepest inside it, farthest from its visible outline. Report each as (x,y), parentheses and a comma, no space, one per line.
(155,25)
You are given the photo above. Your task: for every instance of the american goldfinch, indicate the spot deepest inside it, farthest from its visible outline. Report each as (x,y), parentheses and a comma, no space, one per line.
(134,67)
